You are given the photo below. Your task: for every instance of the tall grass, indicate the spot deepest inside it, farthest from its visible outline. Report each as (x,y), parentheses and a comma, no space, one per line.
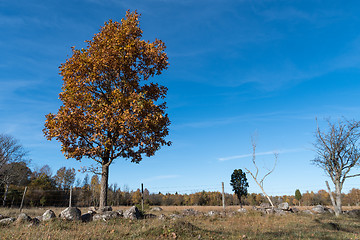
(252,225)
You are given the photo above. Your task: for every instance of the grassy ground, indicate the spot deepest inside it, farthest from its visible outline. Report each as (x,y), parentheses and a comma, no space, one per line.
(252,225)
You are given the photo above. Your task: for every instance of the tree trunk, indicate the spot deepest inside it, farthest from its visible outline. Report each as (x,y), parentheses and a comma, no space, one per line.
(5,194)
(338,209)
(104,186)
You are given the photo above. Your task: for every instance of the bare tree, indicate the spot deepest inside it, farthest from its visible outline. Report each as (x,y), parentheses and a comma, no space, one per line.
(10,150)
(338,153)
(255,176)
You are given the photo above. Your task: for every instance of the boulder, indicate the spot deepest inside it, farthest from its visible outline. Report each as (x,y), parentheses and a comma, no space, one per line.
(71,213)
(106,209)
(87,217)
(48,215)
(242,210)
(294,210)
(265,205)
(23,218)
(149,215)
(105,216)
(156,209)
(120,212)
(308,212)
(318,209)
(212,213)
(284,206)
(34,222)
(7,221)
(132,213)
(190,212)
(279,212)
(353,213)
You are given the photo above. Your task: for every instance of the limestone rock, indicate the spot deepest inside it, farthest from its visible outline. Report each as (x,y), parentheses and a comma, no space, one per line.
(308,212)
(106,209)
(265,205)
(87,217)
(284,206)
(190,212)
(318,209)
(156,209)
(353,213)
(132,213)
(120,212)
(48,215)
(71,213)
(105,216)
(7,221)
(162,217)
(34,222)
(212,213)
(23,218)
(242,210)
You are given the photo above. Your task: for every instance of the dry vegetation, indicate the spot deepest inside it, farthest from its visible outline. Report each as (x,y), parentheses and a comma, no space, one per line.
(252,225)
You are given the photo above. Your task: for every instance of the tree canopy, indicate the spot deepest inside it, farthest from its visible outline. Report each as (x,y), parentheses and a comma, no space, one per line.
(109,109)
(239,183)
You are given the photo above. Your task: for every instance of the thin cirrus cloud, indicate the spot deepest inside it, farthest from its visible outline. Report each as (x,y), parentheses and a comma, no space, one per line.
(260,154)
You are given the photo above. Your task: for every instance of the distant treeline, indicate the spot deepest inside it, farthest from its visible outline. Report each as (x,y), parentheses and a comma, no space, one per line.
(45,189)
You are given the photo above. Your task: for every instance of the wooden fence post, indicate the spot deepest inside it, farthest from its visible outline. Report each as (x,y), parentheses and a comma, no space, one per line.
(70,196)
(142,197)
(22,200)
(223,196)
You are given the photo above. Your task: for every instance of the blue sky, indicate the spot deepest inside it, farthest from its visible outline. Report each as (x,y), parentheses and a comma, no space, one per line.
(236,68)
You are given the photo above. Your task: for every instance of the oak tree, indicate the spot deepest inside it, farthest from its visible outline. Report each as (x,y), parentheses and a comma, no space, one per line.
(109,109)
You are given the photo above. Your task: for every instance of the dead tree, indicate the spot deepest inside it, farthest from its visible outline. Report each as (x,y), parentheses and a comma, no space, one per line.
(338,153)
(255,176)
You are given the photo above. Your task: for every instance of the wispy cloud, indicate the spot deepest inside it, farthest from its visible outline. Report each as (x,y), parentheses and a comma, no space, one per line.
(261,154)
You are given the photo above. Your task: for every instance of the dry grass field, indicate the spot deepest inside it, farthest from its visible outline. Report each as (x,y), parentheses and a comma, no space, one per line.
(252,225)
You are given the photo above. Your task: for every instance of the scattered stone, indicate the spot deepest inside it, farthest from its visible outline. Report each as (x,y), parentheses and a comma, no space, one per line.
(149,215)
(353,213)
(284,206)
(319,209)
(120,212)
(106,209)
(307,211)
(265,205)
(94,209)
(156,209)
(212,213)
(7,221)
(23,218)
(87,217)
(242,210)
(279,212)
(34,222)
(132,213)
(162,217)
(48,215)
(190,212)
(294,210)
(175,216)
(105,216)
(71,213)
